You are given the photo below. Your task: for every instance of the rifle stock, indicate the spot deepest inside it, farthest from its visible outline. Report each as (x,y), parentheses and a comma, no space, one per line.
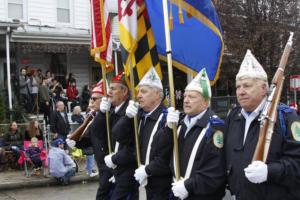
(80,131)
(269,114)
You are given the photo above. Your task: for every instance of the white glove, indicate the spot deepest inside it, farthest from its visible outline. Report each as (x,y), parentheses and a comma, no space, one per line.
(132,109)
(105,105)
(70,143)
(141,175)
(172,117)
(256,172)
(108,161)
(179,190)
(112,179)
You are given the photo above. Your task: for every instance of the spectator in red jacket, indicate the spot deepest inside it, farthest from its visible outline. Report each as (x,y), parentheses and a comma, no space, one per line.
(72,93)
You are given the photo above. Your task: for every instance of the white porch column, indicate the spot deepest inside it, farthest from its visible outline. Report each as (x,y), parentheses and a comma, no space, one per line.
(8,68)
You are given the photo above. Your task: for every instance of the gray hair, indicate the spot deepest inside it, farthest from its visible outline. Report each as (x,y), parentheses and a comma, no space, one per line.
(161,92)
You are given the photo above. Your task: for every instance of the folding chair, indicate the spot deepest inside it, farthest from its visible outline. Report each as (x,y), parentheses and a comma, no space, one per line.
(78,158)
(25,159)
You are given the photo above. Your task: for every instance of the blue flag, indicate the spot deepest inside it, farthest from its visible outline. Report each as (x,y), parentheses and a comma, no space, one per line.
(197,43)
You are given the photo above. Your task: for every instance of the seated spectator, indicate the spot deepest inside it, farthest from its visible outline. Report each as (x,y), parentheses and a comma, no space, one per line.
(61,165)
(14,139)
(34,152)
(33,130)
(77,116)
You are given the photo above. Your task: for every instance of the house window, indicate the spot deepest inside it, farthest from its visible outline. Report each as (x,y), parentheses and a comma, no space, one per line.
(63,11)
(15,9)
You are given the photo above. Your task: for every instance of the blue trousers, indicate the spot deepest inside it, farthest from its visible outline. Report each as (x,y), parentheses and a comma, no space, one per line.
(68,175)
(89,163)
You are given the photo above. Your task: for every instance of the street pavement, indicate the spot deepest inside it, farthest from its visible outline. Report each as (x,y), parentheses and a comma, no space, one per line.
(16,179)
(14,185)
(80,191)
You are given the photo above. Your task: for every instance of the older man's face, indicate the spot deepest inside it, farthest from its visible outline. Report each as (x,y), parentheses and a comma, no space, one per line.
(60,106)
(23,72)
(117,93)
(194,103)
(250,92)
(95,101)
(148,98)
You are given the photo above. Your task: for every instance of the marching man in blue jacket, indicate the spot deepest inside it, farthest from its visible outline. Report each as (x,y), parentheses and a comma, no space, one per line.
(277,178)
(200,143)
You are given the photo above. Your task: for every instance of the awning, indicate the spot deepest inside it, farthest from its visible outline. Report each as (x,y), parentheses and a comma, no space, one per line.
(4,25)
(50,35)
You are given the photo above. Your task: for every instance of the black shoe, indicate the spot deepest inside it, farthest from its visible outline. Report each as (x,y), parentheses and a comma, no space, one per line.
(67,182)
(60,180)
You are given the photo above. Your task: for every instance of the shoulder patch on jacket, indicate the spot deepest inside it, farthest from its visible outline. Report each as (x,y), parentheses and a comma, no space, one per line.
(295,128)
(218,139)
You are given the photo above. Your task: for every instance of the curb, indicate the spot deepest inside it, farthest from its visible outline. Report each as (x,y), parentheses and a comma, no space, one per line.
(43,181)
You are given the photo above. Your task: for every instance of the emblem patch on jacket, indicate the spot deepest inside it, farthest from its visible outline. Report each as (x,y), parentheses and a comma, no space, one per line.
(295,128)
(218,139)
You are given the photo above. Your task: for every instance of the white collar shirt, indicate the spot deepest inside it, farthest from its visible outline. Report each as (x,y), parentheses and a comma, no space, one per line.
(250,117)
(190,122)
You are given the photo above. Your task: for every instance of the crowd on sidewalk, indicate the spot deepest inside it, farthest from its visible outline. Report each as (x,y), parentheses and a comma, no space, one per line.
(38,92)
(56,98)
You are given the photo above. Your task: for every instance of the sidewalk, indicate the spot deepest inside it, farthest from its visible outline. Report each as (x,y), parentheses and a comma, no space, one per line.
(16,179)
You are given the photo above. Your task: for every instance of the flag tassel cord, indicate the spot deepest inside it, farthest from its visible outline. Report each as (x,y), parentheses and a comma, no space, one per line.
(181,20)
(171,84)
(171,16)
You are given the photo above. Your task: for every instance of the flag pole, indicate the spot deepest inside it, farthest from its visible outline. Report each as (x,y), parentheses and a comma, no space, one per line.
(106,113)
(136,137)
(171,84)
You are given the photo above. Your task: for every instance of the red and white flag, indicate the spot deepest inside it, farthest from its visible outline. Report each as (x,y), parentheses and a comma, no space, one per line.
(101,41)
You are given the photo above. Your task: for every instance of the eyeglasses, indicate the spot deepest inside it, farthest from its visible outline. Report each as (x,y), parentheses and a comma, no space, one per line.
(95,98)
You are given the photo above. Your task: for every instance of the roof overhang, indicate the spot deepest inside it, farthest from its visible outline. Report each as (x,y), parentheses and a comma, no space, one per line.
(50,39)
(5,25)
(50,35)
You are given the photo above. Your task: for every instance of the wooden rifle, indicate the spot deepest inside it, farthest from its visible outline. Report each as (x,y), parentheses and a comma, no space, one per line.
(268,115)
(80,131)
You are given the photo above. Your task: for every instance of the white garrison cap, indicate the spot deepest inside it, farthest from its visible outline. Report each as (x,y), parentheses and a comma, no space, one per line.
(250,68)
(200,84)
(151,79)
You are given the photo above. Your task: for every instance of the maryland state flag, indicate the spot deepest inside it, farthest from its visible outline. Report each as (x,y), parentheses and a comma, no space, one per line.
(101,41)
(137,41)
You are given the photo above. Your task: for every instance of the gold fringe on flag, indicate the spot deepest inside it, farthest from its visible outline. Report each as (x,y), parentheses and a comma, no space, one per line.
(171,17)
(181,21)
